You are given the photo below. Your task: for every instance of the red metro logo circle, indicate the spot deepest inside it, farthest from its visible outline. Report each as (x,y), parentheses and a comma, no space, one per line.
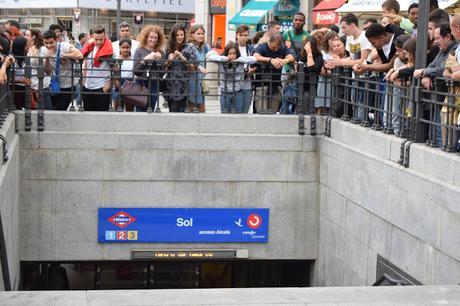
(254,221)
(121,219)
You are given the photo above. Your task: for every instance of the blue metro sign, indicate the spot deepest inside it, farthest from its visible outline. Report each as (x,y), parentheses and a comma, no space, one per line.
(214,225)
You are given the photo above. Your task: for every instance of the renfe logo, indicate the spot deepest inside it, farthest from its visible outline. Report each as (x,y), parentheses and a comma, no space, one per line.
(121,219)
(254,221)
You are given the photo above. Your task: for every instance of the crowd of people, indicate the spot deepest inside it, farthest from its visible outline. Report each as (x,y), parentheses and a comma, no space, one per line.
(255,74)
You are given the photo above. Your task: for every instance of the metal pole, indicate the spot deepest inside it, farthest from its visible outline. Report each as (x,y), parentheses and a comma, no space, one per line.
(422,34)
(118,17)
(420,62)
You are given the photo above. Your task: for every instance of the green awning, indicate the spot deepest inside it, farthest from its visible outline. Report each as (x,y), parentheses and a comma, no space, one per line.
(253,12)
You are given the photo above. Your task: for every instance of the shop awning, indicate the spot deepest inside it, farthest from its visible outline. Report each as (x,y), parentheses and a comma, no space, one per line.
(253,12)
(324,13)
(373,6)
(329,5)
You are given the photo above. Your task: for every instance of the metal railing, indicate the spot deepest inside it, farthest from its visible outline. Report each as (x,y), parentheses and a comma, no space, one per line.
(407,110)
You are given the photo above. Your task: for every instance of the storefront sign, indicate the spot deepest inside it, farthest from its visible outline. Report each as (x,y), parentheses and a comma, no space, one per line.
(219,225)
(325,17)
(162,6)
(217,6)
(286,8)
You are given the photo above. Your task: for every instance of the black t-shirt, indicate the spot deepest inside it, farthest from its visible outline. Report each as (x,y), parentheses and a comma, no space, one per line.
(267,72)
(396,31)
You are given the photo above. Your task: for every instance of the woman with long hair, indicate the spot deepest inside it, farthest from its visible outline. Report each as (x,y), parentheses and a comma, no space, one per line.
(19,50)
(147,61)
(324,88)
(197,87)
(36,49)
(313,58)
(177,55)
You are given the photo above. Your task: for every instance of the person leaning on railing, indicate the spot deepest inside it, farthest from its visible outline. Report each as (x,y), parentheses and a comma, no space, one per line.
(177,69)
(446,42)
(35,41)
(6,60)
(19,51)
(273,55)
(147,62)
(231,76)
(450,113)
(97,55)
(197,86)
(68,53)
(394,92)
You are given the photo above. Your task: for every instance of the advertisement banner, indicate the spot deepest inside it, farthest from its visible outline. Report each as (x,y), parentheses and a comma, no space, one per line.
(164,6)
(192,225)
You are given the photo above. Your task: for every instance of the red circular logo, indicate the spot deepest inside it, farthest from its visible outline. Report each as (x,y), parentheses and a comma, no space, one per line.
(254,221)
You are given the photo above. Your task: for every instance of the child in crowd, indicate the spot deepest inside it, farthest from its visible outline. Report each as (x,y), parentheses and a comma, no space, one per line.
(125,71)
(231,76)
(394,92)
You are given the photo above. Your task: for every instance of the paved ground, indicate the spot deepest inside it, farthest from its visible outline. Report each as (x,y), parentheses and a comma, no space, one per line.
(360,296)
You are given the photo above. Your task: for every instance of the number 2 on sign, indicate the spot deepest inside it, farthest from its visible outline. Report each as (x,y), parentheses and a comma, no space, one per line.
(121,235)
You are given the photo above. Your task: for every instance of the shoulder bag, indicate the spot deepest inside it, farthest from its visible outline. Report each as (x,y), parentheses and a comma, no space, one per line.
(55,85)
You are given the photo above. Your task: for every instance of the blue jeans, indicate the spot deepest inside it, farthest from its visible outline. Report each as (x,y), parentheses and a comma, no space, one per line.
(47,99)
(231,100)
(358,96)
(436,134)
(288,98)
(153,98)
(247,99)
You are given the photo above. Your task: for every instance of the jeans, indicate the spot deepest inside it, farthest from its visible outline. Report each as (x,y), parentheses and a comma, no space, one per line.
(47,99)
(436,134)
(358,96)
(247,99)
(394,95)
(289,99)
(230,101)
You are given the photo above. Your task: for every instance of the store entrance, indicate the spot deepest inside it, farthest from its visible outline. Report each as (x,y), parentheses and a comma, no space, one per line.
(164,274)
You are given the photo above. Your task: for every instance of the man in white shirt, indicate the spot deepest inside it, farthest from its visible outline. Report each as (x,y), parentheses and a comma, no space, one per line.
(67,53)
(242,37)
(124,32)
(95,94)
(360,48)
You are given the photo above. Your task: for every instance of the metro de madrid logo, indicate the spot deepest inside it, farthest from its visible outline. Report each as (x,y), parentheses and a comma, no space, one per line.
(254,221)
(121,219)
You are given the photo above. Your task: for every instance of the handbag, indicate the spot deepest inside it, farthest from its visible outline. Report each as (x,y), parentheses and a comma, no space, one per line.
(135,94)
(204,87)
(55,85)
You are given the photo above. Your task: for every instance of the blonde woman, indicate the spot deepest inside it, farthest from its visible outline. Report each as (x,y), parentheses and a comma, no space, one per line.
(147,61)
(199,49)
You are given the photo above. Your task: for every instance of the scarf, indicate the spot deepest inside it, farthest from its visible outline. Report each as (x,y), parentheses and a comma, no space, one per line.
(105,50)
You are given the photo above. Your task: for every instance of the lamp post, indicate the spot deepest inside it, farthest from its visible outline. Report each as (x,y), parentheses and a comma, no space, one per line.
(422,34)
(118,17)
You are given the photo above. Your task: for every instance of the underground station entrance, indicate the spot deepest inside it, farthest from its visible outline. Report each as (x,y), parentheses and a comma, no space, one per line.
(107,275)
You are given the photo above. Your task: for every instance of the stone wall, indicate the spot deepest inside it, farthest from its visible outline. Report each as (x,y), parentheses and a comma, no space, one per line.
(9,200)
(340,200)
(83,161)
(371,205)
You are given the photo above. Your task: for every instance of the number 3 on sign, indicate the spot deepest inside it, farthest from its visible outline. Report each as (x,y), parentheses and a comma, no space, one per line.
(132,235)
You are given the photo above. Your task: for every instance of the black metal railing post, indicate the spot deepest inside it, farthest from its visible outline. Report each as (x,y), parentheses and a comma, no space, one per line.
(301,98)
(28,95)
(41,96)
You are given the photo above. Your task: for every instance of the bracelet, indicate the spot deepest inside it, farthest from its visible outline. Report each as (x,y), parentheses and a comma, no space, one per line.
(270,60)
